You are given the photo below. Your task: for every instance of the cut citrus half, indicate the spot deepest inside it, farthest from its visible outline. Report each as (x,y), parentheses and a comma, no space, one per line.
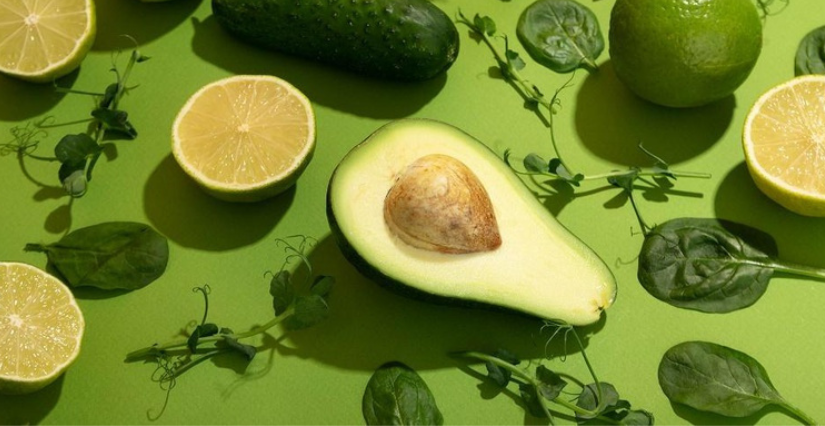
(784,143)
(245,138)
(42,40)
(41,327)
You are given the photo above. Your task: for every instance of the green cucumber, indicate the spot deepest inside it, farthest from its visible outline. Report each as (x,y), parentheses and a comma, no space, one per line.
(392,39)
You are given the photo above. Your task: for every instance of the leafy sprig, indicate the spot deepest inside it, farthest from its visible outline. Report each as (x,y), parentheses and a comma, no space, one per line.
(296,305)
(542,388)
(78,153)
(660,175)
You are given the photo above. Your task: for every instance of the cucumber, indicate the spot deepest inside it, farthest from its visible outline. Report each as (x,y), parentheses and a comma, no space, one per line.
(391,39)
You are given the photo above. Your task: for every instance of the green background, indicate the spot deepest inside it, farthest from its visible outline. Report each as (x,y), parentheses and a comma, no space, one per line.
(317,376)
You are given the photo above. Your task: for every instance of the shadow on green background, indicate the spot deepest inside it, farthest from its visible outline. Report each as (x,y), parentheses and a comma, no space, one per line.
(181,211)
(370,325)
(325,85)
(39,99)
(798,237)
(142,21)
(611,122)
(31,408)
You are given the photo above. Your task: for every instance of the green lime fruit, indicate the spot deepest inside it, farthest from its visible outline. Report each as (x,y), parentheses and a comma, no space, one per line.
(684,53)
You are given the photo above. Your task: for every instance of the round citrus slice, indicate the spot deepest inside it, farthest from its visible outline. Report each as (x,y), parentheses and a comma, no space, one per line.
(784,143)
(40,328)
(245,138)
(43,40)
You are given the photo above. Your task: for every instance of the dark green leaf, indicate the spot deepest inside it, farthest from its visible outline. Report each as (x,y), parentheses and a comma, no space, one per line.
(485,24)
(282,291)
(115,121)
(76,149)
(109,95)
(309,311)
(225,330)
(706,264)
(111,255)
(192,341)
(638,418)
(561,34)
(716,378)
(557,167)
(247,351)
(322,285)
(535,164)
(501,376)
(397,395)
(624,181)
(531,399)
(810,55)
(589,398)
(550,383)
(208,329)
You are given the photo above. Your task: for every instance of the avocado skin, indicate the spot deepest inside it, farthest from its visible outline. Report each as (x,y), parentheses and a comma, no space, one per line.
(398,287)
(392,39)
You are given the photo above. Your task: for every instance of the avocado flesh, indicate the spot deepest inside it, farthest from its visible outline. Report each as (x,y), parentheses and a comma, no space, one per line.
(540,268)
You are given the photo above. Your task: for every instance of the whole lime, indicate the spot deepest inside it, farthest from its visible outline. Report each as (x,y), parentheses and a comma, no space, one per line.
(684,53)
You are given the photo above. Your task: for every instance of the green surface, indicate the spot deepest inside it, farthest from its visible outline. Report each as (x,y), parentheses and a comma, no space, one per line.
(318,376)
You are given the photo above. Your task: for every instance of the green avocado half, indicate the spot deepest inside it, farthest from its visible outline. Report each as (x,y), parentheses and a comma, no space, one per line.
(427,210)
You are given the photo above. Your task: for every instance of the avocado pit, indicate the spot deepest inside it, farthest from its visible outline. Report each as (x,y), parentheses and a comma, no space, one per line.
(437,203)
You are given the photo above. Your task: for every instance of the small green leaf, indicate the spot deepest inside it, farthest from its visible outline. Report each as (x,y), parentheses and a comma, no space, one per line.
(638,418)
(208,329)
(116,121)
(810,55)
(76,149)
(532,402)
(485,25)
(515,60)
(589,398)
(624,181)
(247,351)
(309,311)
(192,341)
(535,164)
(501,376)
(550,383)
(282,292)
(109,95)
(322,285)
(75,182)
(557,167)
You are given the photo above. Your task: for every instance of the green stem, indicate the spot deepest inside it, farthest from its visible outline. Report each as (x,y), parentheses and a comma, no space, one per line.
(182,342)
(799,414)
(795,269)
(529,379)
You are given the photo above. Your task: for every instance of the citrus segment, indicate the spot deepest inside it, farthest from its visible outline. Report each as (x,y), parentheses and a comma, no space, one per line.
(245,138)
(43,40)
(784,143)
(41,327)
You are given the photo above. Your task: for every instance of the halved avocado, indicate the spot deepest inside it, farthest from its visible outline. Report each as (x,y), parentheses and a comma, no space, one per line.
(406,210)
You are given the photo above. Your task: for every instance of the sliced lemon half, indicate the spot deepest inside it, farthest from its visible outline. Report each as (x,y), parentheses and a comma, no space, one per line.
(245,138)
(784,143)
(41,327)
(41,40)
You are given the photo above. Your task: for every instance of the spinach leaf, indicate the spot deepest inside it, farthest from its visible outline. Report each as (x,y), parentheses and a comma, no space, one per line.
(706,264)
(810,55)
(711,265)
(397,395)
(715,378)
(111,255)
(561,35)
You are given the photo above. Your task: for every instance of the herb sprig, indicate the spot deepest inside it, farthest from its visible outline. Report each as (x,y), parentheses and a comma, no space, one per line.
(509,62)
(296,305)
(595,403)
(78,153)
